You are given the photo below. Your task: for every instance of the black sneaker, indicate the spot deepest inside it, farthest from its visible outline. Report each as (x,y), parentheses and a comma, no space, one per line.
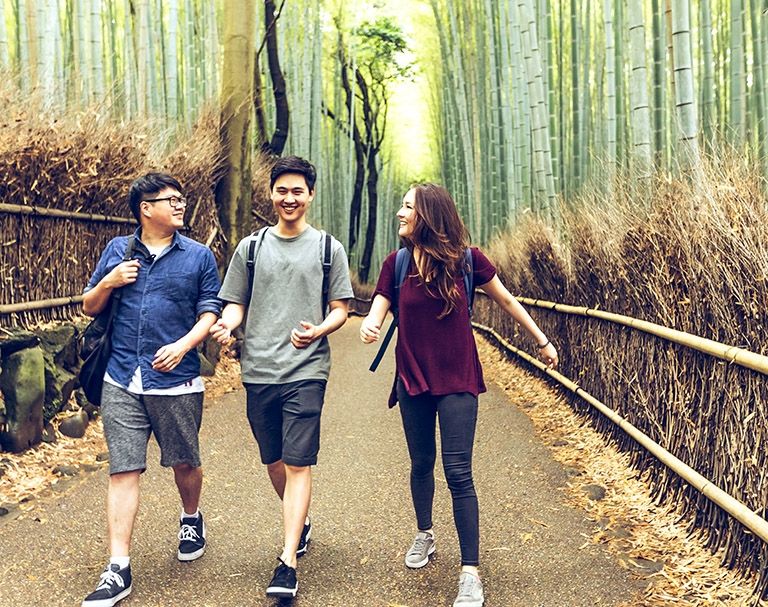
(191,538)
(284,583)
(306,535)
(114,585)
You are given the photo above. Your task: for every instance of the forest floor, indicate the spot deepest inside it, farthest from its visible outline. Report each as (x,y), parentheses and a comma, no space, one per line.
(553,494)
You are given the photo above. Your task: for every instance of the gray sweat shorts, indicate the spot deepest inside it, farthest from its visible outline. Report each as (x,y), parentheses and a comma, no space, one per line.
(129,419)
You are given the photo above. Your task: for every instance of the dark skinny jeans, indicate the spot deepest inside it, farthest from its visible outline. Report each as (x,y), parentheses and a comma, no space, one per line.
(457,416)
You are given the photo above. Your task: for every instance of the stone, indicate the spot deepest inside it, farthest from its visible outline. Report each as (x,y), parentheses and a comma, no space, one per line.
(91,410)
(594,492)
(59,385)
(13,340)
(206,368)
(49,433)
(103,456)
(60,342)
(74,425)
(22,383)
(3,511)
(560,442)
(66,470)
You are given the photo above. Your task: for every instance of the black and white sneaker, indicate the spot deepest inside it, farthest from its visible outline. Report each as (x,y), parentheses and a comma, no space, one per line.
(191,538)
(306,535)
(114,585)
(284,584)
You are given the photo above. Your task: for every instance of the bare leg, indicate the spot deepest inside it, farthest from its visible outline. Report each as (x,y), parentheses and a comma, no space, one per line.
(122,506)
(276,473)
(189,481)
(298,493)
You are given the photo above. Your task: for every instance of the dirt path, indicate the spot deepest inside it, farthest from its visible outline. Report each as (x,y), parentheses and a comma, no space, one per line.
(535,549)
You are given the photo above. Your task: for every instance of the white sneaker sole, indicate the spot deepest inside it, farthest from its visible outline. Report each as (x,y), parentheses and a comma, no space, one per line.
(281,592)
(422,563)
(190,556)
(108,602)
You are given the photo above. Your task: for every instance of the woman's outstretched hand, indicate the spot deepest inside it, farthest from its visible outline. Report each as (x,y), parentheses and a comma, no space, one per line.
(548,355)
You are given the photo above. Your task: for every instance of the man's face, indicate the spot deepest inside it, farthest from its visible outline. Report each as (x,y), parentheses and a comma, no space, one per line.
(291,197)
(164,208)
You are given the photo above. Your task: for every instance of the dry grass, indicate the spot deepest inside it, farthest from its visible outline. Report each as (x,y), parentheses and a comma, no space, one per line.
(629,522)
(694,259)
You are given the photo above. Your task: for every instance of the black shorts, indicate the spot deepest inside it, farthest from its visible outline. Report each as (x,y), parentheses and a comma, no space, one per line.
(285,420)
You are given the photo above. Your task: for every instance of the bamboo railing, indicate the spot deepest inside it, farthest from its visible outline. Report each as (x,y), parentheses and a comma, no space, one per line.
(739,511)
(20,209)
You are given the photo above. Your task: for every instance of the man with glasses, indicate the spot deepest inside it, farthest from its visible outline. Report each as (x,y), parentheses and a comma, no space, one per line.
(152,385)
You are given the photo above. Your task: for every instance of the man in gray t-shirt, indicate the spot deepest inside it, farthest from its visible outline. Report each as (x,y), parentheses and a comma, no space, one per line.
(286,357)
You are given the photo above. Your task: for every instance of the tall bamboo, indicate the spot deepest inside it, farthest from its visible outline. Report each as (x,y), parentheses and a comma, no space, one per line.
(641,119)
(170,60)
(96,52)
(685,96)
(737,79)
(708,109)
(4,55)
(610,97)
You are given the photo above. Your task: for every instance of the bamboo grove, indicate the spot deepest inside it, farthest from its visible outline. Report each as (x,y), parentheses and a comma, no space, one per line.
(535,99)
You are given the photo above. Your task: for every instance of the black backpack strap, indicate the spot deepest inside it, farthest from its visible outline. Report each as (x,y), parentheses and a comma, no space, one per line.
(469,279)
(325,240)
(254,246)
(402,264)
(118,293)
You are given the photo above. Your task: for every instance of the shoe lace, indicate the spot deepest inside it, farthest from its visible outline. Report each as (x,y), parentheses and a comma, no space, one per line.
(466,585)
(188,533)
(419,545)
(109,578)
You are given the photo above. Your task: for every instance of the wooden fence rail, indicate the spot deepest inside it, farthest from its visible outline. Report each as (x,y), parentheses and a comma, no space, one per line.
(20,209)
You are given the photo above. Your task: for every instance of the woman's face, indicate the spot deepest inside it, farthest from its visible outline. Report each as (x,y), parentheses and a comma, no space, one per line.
(407,214)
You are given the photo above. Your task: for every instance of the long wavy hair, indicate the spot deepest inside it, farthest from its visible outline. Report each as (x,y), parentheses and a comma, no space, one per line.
(441,237)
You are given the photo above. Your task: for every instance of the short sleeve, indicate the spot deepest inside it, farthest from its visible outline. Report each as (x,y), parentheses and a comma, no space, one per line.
(235,286)
(483,268)
(386,284)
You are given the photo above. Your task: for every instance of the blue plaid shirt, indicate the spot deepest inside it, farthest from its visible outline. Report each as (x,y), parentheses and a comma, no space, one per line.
(165,302)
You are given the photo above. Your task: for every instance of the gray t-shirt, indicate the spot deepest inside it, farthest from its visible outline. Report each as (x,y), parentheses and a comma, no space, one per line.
(287,288)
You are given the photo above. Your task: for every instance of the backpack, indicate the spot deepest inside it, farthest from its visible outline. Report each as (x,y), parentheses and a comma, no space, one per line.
(254,246)
(402,263)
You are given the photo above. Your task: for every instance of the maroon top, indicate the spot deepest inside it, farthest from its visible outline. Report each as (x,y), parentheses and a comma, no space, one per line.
(435,356)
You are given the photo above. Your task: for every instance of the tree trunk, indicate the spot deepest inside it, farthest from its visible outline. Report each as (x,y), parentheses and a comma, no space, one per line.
(233,191)
(373,202)
(282,114)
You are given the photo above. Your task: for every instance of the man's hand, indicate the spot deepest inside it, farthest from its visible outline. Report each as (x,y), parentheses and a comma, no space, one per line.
(169,356)
(123,274)
(301,339)
(221,332)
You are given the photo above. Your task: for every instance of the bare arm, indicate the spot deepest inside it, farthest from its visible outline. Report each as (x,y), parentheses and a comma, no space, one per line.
(231,317)
(170,355)
(499,293)
(370,330)
(339,310)
(95,300)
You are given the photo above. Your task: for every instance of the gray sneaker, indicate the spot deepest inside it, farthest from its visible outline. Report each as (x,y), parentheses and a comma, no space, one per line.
(470,591)
(418,554)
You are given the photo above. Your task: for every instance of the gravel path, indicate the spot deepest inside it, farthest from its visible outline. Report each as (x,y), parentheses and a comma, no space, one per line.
(535,550)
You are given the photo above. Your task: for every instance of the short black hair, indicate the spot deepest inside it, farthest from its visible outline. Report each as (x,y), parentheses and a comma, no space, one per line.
(151,183)
(294,164)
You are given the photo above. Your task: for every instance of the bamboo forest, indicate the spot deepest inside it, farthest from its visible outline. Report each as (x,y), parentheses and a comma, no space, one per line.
(608,160)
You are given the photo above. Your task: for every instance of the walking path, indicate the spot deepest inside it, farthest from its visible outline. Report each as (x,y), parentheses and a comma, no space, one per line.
(534,547)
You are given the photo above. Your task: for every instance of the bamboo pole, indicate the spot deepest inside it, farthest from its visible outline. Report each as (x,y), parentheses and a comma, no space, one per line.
(739,511)
(40,305)
(20,209)
(731,354)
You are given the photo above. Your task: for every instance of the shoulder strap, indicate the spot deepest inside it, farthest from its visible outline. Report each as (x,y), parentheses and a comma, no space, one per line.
(118,293)
(325,240)
(254,246)
(402,263)
(469,278)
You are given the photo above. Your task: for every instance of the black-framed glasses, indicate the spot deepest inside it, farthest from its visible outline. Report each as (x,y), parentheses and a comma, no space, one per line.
(176,202)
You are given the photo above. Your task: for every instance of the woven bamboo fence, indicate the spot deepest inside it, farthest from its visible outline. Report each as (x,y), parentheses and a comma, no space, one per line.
(63,196)
(692,263)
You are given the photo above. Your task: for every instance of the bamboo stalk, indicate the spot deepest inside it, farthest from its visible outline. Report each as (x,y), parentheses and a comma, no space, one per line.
(19,209)
(732,354)
(739,511)
(40,305)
